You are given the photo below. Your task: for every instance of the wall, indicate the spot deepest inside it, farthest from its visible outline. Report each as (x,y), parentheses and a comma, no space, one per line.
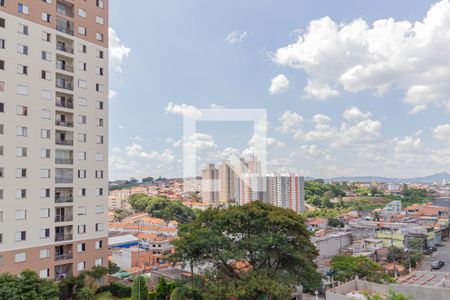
(331,245)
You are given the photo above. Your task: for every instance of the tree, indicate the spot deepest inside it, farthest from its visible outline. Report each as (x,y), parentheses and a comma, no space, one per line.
(255,250)
(113,267)
(148,180)
(162,289)
(85,293)
(161,207)
(346,268)
(27,285)
(120,214)
(139,201)
(139,290)
(333,222)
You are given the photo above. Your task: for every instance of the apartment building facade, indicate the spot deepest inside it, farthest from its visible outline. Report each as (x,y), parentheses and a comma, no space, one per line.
(53,136)
(210,184)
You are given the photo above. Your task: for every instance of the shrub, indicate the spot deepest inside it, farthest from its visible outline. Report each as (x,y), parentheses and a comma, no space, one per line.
(139,290)
(120,290)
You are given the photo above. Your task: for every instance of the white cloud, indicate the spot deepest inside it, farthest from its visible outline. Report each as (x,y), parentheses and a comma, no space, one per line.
(358,56)
(136,150)
(117,51)
(354,114)
(280,84)
(236,37)
(122,126)
(198,141)
(136,138)
(442,132)
(185,110)
(290,121)
(313,151)
(112,94)
(321,119)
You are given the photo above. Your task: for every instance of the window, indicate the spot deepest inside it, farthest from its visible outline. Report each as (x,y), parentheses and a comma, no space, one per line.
(2,128)
(81,155)
(22,49)
(44,253)
(45,75)
(99,87)
(99,191)
(21,110)
(98,227)
(1,190)
(21,152)
(46,17)
(21,173)
(82,101)
(21,69)
(2,107)
(82,48)
(20,257)
(45,114)
(82,13)
(99,71)
(45,173)
(45,234)
(82,210)
(81,228)
(82,192)
(99,244)
(45,153)
(82,66)
(21,214)
(1,256)
(81,266)
(81,247)
(99,53)
(21,131)
(99,3)
(82,173)
(46,95)
(21,194)
(21,236)
(2,64)
(82,137)
(99,156)
(1,175)
(46,37)
(22,90)
(2,22)
(1,216)
(82,119)
(1,150)
(82,30)
(23,29)
(99,139)
(44,273)
(99,122)
(45,55)
(99,262)
(82,83)
(47,1)
(44,213)
(45,133)
(99,37)
(99,20)
(2,2)
(23,9)
(2,44)
(99,209)
(45,193)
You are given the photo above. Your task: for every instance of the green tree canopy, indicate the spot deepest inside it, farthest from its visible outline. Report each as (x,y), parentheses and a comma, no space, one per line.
(254,250)
(27,285)
(139,290)
(346,268)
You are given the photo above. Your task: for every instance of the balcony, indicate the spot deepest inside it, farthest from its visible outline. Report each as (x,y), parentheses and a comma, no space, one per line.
(63,84)
(63,195)
(64,45)
(63,270)
(64,8)
(64,256)
(64,161)
(59,237)
(64,142)
(59,179)
(64,101)
(64,48)
(64,26)
(64,123)
(64,66)
(64,119)
(63,218)
(64,138)
(64,199)
(63,175)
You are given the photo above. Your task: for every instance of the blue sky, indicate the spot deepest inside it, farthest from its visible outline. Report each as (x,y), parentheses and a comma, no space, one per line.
(344,95)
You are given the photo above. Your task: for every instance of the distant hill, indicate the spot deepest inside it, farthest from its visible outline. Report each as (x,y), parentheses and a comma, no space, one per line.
(438,177)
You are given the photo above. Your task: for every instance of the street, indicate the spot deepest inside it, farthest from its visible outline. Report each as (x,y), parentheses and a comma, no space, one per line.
(442,253)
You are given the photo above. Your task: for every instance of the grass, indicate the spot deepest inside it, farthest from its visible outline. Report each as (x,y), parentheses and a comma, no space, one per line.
(105,296)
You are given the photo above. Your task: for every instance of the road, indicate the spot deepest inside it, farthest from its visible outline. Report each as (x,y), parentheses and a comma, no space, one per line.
(442,253)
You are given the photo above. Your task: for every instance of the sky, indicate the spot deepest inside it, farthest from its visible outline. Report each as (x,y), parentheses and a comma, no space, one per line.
(350,87)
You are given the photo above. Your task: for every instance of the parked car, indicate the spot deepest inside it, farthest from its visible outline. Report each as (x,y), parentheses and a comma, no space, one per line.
(427,251)
(437,264)
(433,249)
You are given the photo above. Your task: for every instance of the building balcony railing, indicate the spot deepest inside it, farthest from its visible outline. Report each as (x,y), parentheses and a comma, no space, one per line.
(64,161)
(63,218)
(64,67)
(64,123)
(65,30)
(63,179)
(63,237)
(64,103)
(64,256)
(64,142)
(62,84)
(63,199)
(64,48)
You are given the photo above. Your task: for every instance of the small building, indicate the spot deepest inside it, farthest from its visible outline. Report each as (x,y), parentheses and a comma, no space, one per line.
(123,241)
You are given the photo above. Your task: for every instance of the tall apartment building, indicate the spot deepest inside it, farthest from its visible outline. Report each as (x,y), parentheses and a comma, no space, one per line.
(227,177)
(210,184)
(53,135)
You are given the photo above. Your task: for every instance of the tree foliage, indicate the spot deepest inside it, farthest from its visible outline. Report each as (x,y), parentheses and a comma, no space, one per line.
(27,285)
(346,268)
(139,290)
(254,250)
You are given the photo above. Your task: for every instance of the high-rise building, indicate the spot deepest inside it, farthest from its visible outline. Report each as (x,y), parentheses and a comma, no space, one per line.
(210,184)
(53,136)
(227,178)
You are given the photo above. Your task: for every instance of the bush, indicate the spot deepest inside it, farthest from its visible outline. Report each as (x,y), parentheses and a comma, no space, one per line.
(139,290)
(120,290)
(103,288)
(152,295)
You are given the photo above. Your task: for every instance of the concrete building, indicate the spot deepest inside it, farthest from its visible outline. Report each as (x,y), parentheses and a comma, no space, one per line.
(53,136)
(210,184)
(227,177)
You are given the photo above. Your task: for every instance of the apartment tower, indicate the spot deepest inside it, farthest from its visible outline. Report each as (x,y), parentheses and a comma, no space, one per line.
(53,136)
(210,184)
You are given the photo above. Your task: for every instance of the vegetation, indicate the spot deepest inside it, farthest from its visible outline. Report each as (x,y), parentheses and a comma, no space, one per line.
(27,285)
(139,290)
(113,267)
(256,250)
(120,290)
(345,268)
(161,207)
(333,222)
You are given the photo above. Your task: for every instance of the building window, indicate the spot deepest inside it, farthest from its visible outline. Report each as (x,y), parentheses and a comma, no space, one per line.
(82,30)
(21,173)
(45,55)
(23,9)
(82,13)
(99,139)
(99,191)
(99,209)
(99,20)
(99,3)
(44,253)
(81,266)
(82,48)
(2,43)
(45,133)
(99,244)
(21,236)
(99,71)
(99,53)
(45,173)
(99,122)
(82,119)
(81,229)
(99,87)
(99,262)
(22,49)
(45,114)
(2,22)
(46,37)
(21,69)
(98,227)
(45,75)
(82,192)
(2,64)
(81,247)
(82,174)
(46,95)
(21,152)
(82,137)
(46,17)
(99,37)
(99,156)
(81,155)
(82,101)
(44,213)
(21,131)
(45,193)
(21,214)
(45,234)
(22,90)
(82,84)
(20,257)
(21,194)
(2,107)
(82,210)
(45,153)
(21,110)
(23,29)
(43,274)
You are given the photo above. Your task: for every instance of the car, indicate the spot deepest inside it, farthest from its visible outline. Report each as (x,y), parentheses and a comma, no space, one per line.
(435,265)
(427,252)
(433,249)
